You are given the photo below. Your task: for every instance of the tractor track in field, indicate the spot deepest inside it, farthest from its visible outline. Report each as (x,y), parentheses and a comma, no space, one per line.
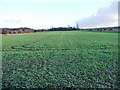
(38,49)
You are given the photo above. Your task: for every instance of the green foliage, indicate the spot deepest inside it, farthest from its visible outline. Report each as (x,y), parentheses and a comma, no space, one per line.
(60,59)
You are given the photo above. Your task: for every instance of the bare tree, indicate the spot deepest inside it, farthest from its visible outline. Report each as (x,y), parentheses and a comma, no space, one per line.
(77,25)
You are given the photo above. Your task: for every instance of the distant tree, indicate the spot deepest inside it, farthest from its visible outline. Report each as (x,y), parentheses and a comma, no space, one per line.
(77,25)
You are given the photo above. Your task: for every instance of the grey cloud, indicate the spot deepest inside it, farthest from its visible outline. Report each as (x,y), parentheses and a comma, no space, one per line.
(119,13)
(12,21)
(104,17)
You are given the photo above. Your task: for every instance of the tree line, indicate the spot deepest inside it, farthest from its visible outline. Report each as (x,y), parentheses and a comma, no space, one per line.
(63,29)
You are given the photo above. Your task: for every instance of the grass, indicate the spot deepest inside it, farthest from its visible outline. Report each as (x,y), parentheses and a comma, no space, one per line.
(60,59)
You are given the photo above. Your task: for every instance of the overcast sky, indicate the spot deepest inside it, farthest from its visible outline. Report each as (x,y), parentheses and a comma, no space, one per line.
(55,13)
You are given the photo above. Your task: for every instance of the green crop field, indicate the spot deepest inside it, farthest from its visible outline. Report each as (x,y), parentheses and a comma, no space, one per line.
(60,59)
